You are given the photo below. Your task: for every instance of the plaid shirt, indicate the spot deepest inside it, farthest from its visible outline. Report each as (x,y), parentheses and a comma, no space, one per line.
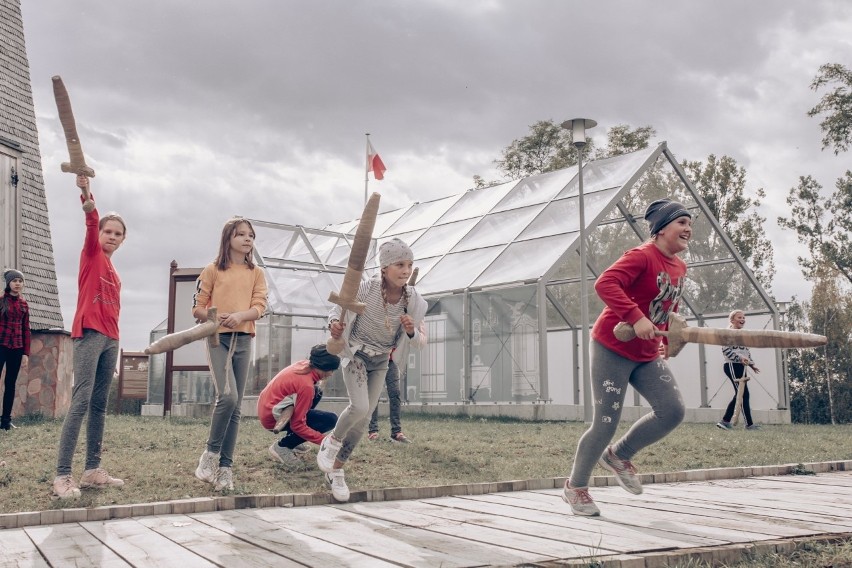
(15,324)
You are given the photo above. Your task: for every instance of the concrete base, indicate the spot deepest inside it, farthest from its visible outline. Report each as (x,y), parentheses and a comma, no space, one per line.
(520,411)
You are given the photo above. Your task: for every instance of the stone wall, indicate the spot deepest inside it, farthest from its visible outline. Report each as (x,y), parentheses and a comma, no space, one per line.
(44,384)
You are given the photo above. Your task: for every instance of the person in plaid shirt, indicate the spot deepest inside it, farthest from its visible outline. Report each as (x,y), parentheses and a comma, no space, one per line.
(14,338)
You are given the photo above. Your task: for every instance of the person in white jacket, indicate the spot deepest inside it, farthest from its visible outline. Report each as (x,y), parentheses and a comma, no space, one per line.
(390,322)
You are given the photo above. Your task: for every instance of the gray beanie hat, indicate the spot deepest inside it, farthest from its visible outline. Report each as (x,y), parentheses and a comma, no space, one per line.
(662,212)
(10,275)
(393,251)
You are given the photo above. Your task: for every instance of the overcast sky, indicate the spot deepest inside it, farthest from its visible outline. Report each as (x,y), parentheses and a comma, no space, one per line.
(193,111)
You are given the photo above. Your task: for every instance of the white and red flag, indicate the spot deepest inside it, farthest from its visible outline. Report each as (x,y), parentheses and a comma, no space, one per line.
(374,162)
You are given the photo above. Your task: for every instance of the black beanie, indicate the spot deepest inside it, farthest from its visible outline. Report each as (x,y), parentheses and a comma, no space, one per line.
(662,212)
(323,360)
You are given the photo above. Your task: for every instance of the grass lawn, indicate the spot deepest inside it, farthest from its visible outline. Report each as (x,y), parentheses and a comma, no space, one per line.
(157,457)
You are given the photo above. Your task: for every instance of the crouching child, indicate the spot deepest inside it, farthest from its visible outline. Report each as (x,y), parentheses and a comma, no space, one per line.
(288,405)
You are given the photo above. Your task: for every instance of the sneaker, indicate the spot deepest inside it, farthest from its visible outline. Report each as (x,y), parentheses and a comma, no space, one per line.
(373,436)
(724,425)
(580,501)
(401,438)
(98,478)
(327,453)
(285,455)
(208,464)
(224,479)
(337,483)
(302,448)
(753,427)
(624,471)
(64,487)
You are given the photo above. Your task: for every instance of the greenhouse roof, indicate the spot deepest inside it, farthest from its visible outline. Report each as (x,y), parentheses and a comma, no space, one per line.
(518,232)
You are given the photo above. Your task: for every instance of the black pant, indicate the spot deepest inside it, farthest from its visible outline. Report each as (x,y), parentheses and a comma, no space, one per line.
(11,358)
(738,370)
(319,420)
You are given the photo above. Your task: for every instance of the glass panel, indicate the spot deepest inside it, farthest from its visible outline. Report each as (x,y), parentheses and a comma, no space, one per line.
(477,202)
(504,345)
(563,216)
(705,244)
(339,255)
(525,260)
(720,288)
(536,189)
(301,291)
(440,239)
(421,215)
(456,271)
(439,371)
(344,228)
(607,173)
(498,228)
(384,220)
(272,241)
(568,296)
(423,266)
(407,238)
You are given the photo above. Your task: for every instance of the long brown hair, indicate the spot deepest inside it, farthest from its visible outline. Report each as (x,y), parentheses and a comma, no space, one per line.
(228,231)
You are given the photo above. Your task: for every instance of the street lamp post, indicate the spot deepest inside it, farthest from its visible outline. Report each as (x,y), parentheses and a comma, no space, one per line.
(578,127)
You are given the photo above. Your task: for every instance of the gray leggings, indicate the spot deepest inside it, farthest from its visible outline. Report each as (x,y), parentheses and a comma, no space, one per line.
(364,377)
(229,365)
(611,373)
(95,356)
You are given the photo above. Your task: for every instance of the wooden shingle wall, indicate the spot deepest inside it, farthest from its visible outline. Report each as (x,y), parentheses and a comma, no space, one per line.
(18,131)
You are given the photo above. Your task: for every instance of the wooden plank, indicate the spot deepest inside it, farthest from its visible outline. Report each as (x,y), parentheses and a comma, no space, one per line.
(18,551)
(219,547)
(648,518)
(141,546)
(475,528)
(580,530)
(841,480)
(406,543)
(749,495)
(769,525)
(305,549)
(816,491)
(72,545)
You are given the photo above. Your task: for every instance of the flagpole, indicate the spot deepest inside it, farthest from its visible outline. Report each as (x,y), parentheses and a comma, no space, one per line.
(366,167)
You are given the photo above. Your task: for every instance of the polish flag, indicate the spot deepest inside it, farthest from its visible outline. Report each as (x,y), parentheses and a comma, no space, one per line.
(374,162)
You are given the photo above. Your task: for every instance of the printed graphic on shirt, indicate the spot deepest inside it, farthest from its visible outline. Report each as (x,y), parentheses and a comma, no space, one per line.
(107,292)
(667,298)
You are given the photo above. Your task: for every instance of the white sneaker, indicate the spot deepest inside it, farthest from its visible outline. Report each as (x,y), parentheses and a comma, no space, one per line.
(337,483)
(580,501)
(64,487)
(285,455)
(224,480)
(328,453)
(98,478)
(208,465)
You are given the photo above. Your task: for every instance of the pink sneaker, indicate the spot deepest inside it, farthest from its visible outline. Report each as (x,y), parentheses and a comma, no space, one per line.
(64,487)
(624,471)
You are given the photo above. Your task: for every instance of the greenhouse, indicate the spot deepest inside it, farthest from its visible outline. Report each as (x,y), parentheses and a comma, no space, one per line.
(500,269)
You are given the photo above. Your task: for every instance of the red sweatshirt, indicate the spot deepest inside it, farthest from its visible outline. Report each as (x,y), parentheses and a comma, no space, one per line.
(99,287)
(296,379)
(643,282)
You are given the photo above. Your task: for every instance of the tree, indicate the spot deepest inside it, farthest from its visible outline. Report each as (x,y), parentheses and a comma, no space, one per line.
(824,225)
(836,104)
(721,183)
(546,148)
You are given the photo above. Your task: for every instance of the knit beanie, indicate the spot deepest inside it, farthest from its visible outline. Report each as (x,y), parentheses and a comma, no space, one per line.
(393,251)
(10,275)
(323,360)
(662,212)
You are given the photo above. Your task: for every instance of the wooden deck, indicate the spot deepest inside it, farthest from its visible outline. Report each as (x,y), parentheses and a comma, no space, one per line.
(713,519)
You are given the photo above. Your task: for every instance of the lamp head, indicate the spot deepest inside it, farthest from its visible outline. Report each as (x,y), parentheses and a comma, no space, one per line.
(578,128)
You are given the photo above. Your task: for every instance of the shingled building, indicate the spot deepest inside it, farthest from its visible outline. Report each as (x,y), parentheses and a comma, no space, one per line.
(44,384)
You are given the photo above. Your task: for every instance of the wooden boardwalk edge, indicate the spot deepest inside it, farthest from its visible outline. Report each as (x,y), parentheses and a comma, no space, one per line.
(230,502)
